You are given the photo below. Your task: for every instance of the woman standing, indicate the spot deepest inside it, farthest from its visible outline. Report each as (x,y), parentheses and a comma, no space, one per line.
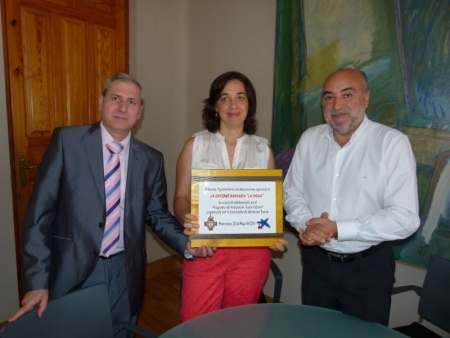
(223,277)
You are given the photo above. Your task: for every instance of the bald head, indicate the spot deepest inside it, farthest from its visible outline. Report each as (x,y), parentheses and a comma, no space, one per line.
(351,72)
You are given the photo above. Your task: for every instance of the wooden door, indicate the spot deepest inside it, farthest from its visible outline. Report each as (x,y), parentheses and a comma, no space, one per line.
(58,54)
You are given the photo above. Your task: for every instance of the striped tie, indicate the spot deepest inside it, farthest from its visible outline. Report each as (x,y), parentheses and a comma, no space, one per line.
(112,195)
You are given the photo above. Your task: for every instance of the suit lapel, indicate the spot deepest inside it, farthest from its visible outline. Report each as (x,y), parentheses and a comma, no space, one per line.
(134,172)
(93,146)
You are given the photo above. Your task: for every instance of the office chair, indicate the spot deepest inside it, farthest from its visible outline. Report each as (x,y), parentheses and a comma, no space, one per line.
(434,303)
(83,313)
(278,284)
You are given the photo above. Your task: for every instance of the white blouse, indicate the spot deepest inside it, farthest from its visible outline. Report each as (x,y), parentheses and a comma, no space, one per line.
(210,152)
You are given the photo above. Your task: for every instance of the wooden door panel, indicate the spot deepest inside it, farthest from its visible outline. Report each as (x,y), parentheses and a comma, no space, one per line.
(104,41)
(37,72)
(104,6)
(64,3)
(33,156)
(74,62)
(58,54)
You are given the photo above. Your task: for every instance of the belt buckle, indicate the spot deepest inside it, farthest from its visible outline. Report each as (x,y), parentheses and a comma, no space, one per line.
(339,257)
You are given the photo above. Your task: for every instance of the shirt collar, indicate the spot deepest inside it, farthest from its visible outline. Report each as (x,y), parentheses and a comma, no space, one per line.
(239,140)
(106,137)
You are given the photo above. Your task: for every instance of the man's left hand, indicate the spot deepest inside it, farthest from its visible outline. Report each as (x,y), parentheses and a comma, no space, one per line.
(319,230)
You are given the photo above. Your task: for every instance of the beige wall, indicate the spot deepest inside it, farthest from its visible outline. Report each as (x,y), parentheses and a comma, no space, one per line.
(9,299)
(180,47)
(158,59)
(176,49)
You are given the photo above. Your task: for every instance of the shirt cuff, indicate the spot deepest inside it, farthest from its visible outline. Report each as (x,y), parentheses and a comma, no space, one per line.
(188,256)
(347,230)
(296,222)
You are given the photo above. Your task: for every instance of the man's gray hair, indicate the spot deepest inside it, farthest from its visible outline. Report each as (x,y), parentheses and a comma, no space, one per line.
(122,77)
(366,80)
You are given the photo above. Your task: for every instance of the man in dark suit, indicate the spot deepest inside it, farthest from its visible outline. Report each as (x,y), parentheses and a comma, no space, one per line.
(66,221)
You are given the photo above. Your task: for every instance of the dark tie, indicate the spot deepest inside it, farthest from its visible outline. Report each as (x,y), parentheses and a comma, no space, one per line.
(112,194)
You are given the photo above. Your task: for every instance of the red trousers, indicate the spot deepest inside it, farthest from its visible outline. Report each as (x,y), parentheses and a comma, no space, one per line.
(233,276)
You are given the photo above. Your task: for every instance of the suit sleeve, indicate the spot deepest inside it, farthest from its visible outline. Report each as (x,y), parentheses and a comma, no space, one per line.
(40,216)
(158,217)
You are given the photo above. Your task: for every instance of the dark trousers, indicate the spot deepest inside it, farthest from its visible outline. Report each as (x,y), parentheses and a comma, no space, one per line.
(112,272)
(361,288)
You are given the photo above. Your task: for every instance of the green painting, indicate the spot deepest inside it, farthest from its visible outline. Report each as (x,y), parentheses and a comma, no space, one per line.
(404,48)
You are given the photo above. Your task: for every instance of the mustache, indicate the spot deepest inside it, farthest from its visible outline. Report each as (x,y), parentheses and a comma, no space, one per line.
(340,111)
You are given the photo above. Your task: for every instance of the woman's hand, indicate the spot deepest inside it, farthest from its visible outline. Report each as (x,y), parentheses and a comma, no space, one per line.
(190,222)
(280,245)
(202,251)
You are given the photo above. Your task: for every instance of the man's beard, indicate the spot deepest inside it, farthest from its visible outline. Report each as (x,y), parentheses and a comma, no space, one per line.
(345,129)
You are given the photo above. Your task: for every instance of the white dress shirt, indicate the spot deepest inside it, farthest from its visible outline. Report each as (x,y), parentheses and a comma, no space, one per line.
(368,186)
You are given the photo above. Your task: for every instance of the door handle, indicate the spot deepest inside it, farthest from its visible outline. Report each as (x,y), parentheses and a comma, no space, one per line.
(23,170)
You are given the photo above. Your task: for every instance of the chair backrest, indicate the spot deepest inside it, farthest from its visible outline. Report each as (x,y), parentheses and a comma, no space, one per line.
(434,304)
(83,313)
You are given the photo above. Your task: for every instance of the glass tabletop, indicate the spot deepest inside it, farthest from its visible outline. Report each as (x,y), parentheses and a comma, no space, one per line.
(278,320)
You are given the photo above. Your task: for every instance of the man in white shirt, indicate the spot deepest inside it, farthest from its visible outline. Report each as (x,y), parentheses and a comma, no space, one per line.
(350,190)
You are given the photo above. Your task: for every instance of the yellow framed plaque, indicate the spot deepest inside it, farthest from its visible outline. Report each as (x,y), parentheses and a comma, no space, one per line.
(237,208)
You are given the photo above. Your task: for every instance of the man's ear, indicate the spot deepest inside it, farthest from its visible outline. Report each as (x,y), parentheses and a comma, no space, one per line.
(100,103)
(140,111)
(367,99)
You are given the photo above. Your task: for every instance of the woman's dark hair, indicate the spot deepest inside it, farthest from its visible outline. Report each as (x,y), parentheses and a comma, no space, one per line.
(210,121)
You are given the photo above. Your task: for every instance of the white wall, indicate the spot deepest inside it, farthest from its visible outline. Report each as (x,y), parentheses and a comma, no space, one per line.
(9,299)
(231,35)
(158,59)
(177,48)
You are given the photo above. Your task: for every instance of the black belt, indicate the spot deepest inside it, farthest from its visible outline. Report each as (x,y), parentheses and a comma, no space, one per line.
(110,256)
(351,257)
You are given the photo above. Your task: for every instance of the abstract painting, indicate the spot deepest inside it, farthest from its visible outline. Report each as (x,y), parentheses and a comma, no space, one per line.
(404,48)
